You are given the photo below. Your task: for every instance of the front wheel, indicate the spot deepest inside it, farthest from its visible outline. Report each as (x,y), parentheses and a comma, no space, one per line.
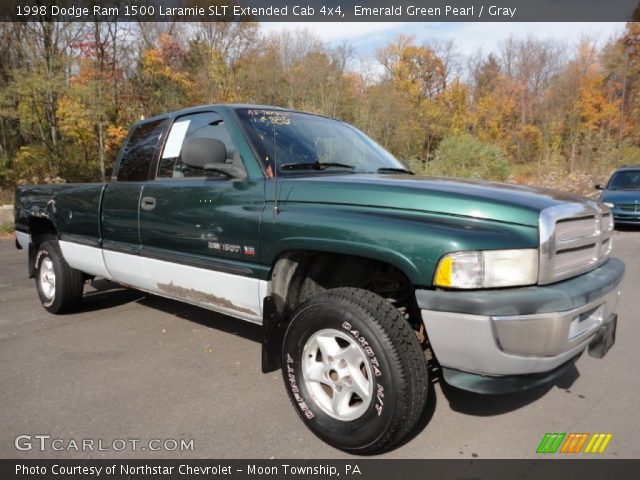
(354,370)
(59,286)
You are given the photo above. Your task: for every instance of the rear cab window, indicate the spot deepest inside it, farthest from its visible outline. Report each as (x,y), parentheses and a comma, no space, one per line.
(140,151)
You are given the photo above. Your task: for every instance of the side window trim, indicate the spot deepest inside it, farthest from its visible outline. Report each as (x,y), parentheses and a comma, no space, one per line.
(156,155)
(251,144)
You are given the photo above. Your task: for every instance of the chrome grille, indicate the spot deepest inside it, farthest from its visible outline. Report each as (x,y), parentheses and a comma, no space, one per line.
(569,260)
(569,229)
(574,238)
(607,222)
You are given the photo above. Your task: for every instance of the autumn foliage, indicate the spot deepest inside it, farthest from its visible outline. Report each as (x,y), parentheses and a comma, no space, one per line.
(534,111)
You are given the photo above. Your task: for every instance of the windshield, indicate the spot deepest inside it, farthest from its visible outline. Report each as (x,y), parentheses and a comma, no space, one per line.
(311,144)
(627,180)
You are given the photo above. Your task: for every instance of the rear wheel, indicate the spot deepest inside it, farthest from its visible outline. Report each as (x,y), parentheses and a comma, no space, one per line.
(59,286)
(354,370)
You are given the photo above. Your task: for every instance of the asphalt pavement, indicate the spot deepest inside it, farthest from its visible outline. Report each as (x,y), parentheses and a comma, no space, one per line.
(139,376)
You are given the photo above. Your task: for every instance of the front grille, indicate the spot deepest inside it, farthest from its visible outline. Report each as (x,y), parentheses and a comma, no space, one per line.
(569,260)
(574,238)
(570,228)
(629,207)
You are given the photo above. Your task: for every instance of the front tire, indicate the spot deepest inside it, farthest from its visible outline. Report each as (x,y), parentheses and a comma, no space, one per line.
(354,370)
(59,286)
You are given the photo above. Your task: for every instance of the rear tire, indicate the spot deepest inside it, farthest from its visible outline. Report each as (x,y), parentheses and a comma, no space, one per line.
(354,370)
(59,286)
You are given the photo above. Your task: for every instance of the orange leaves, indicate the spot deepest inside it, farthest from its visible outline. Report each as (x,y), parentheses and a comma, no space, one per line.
(166,63)
(415,70)
(115,136)
(75,124)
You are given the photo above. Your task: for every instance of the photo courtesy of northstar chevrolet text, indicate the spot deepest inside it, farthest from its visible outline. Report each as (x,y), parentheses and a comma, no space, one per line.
(419,218)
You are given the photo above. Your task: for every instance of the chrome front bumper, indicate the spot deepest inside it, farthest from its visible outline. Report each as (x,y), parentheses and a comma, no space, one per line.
(520,331)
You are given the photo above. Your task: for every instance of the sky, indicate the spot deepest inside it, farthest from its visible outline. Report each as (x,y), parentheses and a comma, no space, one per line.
(366,37)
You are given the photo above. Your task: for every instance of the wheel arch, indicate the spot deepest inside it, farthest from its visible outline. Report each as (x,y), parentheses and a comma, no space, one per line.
(41,229)
(298,273)
(355,249)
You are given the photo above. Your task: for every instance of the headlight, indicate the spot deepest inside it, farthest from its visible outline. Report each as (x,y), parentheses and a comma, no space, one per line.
(609,204)
(488,269)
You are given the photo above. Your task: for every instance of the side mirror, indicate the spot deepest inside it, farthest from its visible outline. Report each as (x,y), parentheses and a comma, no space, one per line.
(210,154)
(599,187)
(205,153)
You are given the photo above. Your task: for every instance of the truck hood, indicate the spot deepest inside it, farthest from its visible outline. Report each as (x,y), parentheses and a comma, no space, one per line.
(493,201)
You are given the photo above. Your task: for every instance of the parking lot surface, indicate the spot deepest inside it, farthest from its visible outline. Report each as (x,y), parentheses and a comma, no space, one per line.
(135,367)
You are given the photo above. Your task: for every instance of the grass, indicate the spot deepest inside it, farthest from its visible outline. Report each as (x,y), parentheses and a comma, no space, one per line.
(6,228)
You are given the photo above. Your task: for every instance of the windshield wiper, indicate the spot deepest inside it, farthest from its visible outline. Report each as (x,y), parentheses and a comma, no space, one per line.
(394,170)
(315,166)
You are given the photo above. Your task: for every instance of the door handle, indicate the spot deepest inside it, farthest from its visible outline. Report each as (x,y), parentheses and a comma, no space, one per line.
(148,203)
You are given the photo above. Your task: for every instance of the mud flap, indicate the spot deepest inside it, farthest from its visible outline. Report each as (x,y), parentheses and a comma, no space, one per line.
(33,251)
(272,335)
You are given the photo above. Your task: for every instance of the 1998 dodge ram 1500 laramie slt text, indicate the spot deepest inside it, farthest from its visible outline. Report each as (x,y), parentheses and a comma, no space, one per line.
(353,266)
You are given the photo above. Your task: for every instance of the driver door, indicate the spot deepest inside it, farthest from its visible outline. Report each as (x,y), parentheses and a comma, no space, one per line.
(199,227)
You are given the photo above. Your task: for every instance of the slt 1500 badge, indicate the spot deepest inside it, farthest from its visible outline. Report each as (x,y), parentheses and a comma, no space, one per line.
(230,248)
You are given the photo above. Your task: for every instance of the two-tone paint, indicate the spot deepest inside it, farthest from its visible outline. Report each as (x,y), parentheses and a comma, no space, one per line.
(214,242)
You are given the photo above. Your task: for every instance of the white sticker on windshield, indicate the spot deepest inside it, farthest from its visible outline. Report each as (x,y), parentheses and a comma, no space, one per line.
(176,136)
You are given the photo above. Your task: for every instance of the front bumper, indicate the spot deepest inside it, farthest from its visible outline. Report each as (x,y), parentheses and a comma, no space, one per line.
(520,331)
(626,216)
(626,219)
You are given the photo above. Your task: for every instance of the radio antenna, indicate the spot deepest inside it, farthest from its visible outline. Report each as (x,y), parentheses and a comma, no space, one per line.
(276,209)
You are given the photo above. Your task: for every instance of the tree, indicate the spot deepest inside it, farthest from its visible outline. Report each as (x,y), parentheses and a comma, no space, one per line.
(585,111)
(161,81)
(70,91)
(415,70)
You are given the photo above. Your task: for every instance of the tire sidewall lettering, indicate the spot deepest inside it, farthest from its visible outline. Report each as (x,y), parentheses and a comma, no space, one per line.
(42,254)
(292,385)
(373,362)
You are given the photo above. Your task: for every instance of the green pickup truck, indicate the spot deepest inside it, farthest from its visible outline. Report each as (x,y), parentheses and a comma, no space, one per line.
(357,270)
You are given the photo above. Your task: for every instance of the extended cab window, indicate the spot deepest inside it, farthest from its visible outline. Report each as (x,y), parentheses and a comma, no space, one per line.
(139,152)
(197,146)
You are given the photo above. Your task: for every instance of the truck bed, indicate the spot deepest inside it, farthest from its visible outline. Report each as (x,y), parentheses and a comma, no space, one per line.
(73,208)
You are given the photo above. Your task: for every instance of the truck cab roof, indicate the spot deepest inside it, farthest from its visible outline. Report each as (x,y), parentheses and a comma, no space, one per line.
(220,107)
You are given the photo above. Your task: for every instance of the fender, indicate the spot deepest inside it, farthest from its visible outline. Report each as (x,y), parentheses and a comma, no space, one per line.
(356,249)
